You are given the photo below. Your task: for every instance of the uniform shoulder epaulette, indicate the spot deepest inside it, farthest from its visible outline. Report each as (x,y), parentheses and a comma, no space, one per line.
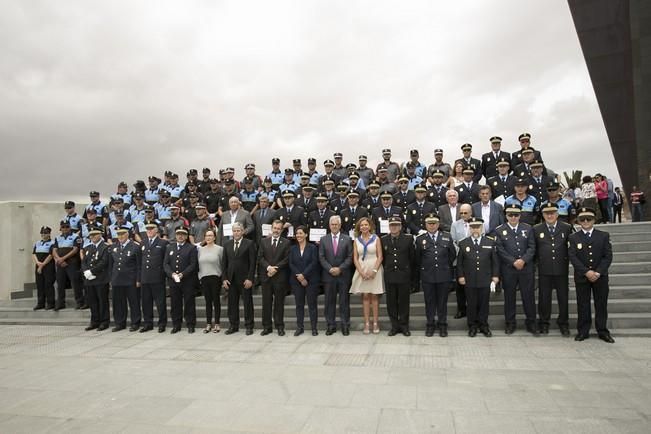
(490,237)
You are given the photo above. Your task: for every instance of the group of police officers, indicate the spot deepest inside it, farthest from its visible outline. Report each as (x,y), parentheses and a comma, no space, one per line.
(143,242)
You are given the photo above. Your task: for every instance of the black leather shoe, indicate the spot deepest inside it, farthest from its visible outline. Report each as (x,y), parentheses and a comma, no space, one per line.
(281,332)
(330,332)
(472,332)
(509,329)
(486,332)
(39,307)
(161,329)
(565,332)
(84,307)
(249,332)
(118,328)
(315,332)
(392,332)
(175,329)
(443,332)
(146,329)
(533,330)
(91,327)
(265,332)
(460,314)
(230,331)
(78,307)
(298,332)
(345,331)
(544,329)
(607,338)
(59,307)
(406,332)
(102,327)
(429,332)
(134,328)
(190,329)
(49,307)
(580,338)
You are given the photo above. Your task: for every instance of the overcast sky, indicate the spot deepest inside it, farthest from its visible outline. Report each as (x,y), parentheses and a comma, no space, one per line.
(94,92)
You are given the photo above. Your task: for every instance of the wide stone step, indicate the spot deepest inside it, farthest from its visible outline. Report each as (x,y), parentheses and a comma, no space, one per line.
(619,257)
(632,279)
(627,267)
(618,237)
(639,227)
(631,246)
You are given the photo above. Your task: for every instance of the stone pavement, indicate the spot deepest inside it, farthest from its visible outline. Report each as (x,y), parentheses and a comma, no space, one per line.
(62,379)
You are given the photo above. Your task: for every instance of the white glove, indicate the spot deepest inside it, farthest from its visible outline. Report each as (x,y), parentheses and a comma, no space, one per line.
(87,274)
(492,286)
(92,276)
(176,277)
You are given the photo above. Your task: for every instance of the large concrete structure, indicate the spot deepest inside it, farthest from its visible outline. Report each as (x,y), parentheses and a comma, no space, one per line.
(616,45)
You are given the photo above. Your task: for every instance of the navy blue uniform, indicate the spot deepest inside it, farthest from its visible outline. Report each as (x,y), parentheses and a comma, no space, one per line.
(436,195)
(400,275)
(125,277)
(69,270)
(415,216)
(96,260)
(152,280)
(45,279)
(182,259)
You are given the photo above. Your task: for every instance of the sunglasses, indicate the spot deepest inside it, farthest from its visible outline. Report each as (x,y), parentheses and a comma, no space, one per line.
(464,212)
(513,215)
(586,219)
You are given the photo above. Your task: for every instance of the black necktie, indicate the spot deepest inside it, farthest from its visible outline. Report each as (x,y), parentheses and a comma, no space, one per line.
(275,243)
(503,178)
(237,246)
(476,242)
(386,211)
(263,212)
(551,230)
(322,212)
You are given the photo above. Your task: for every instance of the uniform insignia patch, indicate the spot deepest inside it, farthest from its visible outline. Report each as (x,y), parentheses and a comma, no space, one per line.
(542,235)
(579,246)
(467,249)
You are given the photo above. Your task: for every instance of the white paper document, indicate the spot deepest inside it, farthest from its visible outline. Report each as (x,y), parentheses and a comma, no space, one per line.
(316,234)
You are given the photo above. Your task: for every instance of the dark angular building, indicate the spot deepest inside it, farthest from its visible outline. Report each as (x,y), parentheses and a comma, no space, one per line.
(615,37)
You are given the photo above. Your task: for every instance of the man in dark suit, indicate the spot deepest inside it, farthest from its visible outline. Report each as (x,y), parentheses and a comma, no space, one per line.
(351,214)
(417,211)
(385,212)
(469,190)
(273,257)
(502,184)
(372,199)
(489,211)
(470,162)
(449,212)
(340,200)
(181,268)
(516,248)
(152,279)
(95,269)
(591,255)
(264,215)
(336,258)
(552,237)
(307,200)
(490,159)
(405,196)
(239,272)
(538,182)
(525,142)
(125,280)
(437,191)
(319,218)
(399,275)
(478,270)
(290,215)
(435,254)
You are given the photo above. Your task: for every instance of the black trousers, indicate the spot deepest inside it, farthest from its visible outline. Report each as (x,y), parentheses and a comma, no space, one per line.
(512,280)
(211,287)
(45,285)
(300,293)
(182,302)
(460,291)
(598,290)
(154,293)
(337,287)
(71,274)
(234,293)
(436,303)
(603,209)
(273,298)
(124,296)
(477,312)
(617,213)
(546,284)
(397,295)
(98,301)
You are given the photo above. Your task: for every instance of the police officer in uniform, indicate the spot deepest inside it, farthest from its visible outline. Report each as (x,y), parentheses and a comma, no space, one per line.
(469,162)
(365,173)
(181,267)
(125,281)
(290,214)
(478,270)
(320,218)
(591,255)
(352,213)
(516,248)
(525,142)
(552,237)
(502,184)
(435,254)
(99,207)
(340,201)
(417,211)
(404,197)
(44,271)
(399,274)
(528,204)
(96,270)
(436,192)
(566,211)
(152,278)
(372,199)
(65,252)
(72,217)
(490,159)
(469,190)
(538,182)
(384,213)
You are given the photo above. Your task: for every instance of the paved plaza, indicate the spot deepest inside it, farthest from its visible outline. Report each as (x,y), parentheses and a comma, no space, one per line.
(62,379)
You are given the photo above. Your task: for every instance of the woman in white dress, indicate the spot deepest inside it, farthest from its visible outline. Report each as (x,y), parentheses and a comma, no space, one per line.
(456,178)
(368,279)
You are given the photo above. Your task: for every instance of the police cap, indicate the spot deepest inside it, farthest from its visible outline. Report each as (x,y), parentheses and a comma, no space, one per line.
(550,207)
(586,212)
(69,204)
(466,147)
(431,218)
(513,208)
(46,230)
(521,182)
(524,136)
(496,139)
(475,221)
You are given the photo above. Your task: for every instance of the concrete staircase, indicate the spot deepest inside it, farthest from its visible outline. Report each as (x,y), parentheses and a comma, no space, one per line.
(629,298)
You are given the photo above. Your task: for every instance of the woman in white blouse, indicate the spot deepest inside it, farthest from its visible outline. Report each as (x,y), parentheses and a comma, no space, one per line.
(210,257)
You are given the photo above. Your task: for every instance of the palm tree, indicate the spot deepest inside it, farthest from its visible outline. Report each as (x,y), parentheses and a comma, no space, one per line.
(573,181)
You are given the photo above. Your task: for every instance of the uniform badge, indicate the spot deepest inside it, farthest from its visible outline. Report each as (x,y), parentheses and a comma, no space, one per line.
(345,219)
(460,188)
(315,223)
(171,252)
(504,232)
(115,249)
(531,187)
(280,217)
(431,194)
(579,246)
(128,252)
(562,235)
(542,235)
(488,159)
(495,183)
(524,233)
(424,242)
(143,248)
(413,211)
(467,249)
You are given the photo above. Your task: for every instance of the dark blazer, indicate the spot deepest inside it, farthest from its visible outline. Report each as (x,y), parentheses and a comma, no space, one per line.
(435,260)
(516,157)
(488,167)
(258,221)
(466,195)
(552,251)
(485,256)
(315,220)
(296,217)
(278,257)
(307,265)
(445,216)
(539,189)
(97,261)
(343,259)
(371,202)
(403,200)
(308,205)
(496,216)
(501,188)
(241,266)
(153,256)
(348,219)
(415,216)
(579,252)
(183,260)
(512,246)
(336,205)
(437,197)
(398,260)
(475,165)
(380,213)
(125,264)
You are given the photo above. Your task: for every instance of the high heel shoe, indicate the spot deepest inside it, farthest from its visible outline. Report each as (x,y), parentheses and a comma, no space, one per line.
(207,329)
(376,328)
(216,328)
(367,328)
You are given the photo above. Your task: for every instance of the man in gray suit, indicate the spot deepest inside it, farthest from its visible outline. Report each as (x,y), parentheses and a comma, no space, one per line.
(236,214)
(488,210)
(336,258)
(459,231)
(264,215)
(449,212)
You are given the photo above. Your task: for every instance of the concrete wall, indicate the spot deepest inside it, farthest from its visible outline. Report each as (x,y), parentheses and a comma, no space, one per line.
(21,222)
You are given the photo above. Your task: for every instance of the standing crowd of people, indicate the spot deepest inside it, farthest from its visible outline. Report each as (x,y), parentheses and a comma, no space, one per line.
(473,227)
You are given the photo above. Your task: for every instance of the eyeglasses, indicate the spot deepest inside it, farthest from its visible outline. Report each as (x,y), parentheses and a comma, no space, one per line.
(464,212)
(513,215)
(586,219)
